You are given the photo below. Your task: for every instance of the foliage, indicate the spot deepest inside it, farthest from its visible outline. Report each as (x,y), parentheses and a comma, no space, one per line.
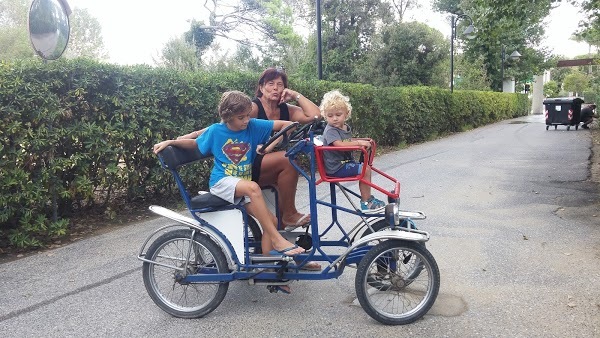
(179,55)
(263,28)
(518,25)
(14,37)
(551,89)
(199,36)
(473,75)
(349,27)
(85,40)
(589,28)
(402,6)
(86,36)
(405,56)
(77,135)
(448,6)
(576,82)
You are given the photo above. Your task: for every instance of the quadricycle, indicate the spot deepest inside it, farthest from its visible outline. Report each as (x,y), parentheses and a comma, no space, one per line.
(188,265)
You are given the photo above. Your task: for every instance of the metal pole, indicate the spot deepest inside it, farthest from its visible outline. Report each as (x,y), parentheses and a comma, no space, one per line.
(319,50)
(503,54)
(452,33)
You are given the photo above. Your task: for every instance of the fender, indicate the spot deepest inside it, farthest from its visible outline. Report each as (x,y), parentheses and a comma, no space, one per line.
(386,234)
(192,223)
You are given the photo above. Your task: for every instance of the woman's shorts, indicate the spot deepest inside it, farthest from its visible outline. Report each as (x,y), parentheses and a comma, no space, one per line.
(225,189)
(349,169)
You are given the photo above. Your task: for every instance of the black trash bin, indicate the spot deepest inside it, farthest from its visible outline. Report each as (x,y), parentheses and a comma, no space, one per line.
(565,111)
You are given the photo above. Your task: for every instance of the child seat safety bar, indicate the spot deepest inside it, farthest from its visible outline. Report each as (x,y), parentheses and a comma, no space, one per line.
(368,155)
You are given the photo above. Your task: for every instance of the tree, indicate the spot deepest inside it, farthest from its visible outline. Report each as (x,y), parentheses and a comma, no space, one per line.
(447,6)
(589,28)
(473,75)
(179,54)
(349,27)
(199,36)
(576,82)
(401,6)
(14,37)
(518,25)
(260,27)
(551,89)
(282,45)
(86,36)
(406,55)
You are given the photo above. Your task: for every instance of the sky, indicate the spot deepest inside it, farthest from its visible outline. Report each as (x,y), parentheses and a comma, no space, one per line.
(135,31)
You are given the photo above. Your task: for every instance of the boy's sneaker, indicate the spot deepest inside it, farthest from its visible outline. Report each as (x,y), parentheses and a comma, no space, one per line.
(371,204)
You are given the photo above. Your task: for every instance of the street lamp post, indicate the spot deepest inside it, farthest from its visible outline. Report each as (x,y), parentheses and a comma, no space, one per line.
(469,35)
(319,50)
(513,56)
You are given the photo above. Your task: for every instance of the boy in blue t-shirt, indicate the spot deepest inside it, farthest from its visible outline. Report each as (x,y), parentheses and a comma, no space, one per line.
(234,143)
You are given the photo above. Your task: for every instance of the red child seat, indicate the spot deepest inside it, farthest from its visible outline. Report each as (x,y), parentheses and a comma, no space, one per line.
(368,155)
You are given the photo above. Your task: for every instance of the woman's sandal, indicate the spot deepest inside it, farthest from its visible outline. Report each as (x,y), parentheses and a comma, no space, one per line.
(311,266)
(279,288)
(303,221)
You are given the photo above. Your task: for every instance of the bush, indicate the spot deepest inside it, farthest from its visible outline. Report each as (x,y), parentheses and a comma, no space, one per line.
(77,135)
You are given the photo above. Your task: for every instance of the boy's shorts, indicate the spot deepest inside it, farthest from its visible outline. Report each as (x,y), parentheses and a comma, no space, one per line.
(225,189)
(349,169)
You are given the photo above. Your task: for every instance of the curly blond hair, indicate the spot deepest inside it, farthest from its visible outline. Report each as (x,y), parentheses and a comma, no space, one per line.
(335,100)
(233,103)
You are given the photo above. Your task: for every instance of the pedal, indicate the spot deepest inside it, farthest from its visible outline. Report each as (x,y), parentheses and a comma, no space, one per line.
(268,282)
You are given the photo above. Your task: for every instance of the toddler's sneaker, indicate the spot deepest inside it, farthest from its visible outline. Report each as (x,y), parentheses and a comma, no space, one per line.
(371,204)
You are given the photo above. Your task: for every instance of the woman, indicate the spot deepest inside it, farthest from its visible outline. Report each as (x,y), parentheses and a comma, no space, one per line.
(271,103)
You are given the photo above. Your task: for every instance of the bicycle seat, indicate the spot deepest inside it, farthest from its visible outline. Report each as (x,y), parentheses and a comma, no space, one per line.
(207,200)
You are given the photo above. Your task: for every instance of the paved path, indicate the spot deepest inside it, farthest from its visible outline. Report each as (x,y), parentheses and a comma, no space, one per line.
(515,231)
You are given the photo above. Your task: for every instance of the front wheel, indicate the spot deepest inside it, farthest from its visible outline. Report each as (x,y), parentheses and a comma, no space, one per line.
(175,256)
(382,225)
(396,298)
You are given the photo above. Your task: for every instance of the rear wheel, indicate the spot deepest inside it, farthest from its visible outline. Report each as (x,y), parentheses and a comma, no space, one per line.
(176,256)
(397,299)
(255,236)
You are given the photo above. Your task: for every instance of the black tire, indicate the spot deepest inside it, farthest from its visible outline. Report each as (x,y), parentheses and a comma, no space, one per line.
(163,283)
(398,300)
(383,224)
(255,236)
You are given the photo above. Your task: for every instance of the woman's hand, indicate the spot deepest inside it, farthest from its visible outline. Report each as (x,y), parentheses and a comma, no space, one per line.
(288,95)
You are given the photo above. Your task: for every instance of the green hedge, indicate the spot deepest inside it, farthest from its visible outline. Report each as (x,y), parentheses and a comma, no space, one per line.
(77,135)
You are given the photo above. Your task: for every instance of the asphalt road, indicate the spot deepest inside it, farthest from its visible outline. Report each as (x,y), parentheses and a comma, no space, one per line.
(515,230)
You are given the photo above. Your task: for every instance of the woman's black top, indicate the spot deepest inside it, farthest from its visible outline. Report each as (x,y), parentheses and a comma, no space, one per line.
(284,114)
